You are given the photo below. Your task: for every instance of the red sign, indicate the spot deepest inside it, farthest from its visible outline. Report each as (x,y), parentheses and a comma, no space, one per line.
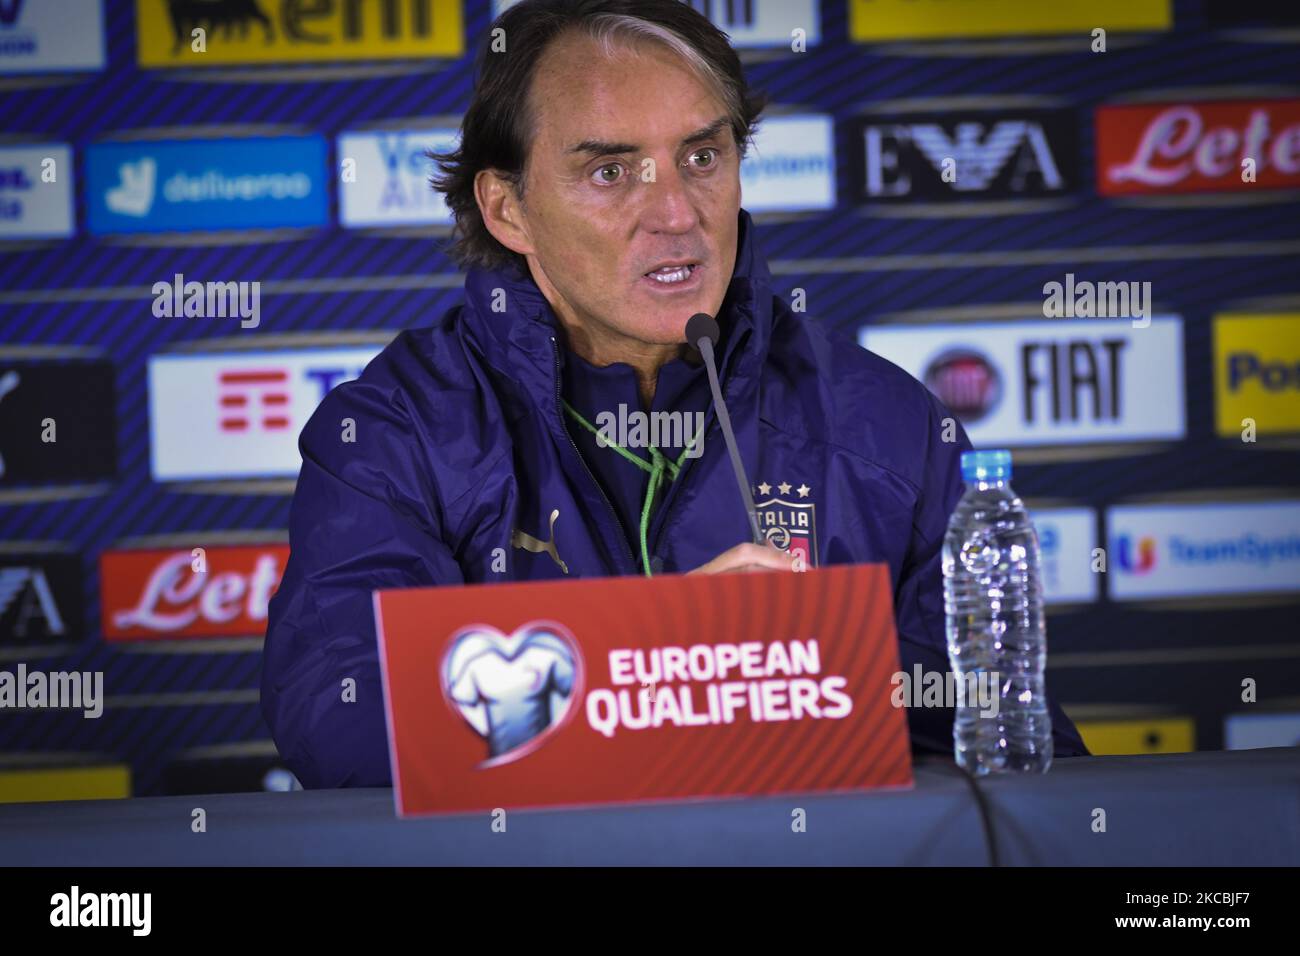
(222,592)
(626,689)
(1198,147)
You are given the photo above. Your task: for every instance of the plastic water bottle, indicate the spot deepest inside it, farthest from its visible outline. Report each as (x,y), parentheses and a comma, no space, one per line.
(993,600)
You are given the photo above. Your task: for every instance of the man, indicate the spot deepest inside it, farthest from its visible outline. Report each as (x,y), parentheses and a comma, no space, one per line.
(597,197)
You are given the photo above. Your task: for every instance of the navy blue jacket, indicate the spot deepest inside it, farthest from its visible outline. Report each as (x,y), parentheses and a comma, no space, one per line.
(460,439)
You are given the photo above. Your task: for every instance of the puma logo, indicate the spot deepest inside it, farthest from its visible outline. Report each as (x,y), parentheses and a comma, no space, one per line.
(525,541)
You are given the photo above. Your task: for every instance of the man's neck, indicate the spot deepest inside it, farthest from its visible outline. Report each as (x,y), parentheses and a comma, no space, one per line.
(645,358)
(602,347)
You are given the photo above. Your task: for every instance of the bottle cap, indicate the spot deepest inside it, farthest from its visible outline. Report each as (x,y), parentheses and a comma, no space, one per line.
(993,465)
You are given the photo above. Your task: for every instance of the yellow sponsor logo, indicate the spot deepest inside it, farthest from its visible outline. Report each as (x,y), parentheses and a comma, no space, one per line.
(189,33)
(1168,735)
(874,20)
(65,783)
(1257,373)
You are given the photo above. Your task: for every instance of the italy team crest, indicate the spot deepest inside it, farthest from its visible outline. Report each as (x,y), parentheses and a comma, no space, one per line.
(790,524)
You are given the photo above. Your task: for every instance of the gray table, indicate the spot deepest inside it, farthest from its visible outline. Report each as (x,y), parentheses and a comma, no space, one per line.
(1234,808)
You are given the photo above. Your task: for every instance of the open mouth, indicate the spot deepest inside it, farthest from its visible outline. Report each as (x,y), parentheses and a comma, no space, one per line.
(674,275)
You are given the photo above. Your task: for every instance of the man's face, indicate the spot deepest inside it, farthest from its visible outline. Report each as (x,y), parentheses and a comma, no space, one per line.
(634,168)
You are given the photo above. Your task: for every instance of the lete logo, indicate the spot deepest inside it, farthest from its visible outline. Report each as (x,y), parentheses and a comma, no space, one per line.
(515,691)
(162,594)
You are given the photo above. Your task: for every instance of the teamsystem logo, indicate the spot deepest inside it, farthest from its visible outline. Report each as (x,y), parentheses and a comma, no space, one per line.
(514,691)
(1135,555)
(164,186)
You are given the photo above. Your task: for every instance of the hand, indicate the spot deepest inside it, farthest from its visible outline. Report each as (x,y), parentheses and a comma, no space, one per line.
(748,557)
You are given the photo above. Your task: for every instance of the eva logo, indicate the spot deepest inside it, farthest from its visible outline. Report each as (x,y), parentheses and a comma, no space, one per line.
(1140,562)
(514,691)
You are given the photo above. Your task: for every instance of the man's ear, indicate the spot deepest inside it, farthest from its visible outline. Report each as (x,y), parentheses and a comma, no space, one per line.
(502,211)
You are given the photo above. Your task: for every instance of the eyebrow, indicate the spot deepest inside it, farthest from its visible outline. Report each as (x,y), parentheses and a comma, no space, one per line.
(596,147)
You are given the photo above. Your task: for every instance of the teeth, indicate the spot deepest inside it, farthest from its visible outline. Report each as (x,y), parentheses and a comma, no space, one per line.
(671,275)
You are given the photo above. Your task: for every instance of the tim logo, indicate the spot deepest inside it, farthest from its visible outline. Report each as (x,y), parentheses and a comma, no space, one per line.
(1136,560)
(219,17)
(514,691)
(254,400)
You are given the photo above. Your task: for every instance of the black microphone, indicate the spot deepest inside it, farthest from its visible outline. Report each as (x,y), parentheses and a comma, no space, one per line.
(702,333)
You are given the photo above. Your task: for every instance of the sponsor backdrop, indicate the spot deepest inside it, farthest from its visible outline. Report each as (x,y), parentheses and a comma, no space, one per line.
(1076,222)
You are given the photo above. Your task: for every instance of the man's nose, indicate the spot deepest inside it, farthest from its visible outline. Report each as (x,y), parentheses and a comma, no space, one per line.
(669,204)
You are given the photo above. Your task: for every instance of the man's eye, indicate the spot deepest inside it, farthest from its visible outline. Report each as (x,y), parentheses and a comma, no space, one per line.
(609,173)
(710,153)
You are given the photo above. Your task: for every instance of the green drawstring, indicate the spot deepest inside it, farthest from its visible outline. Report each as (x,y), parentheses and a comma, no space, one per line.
(656,466)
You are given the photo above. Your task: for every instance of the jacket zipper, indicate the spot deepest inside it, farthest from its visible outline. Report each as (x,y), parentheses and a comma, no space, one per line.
(627,549)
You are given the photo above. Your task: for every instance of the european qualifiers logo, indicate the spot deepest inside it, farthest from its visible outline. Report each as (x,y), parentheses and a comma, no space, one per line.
(954,156)
(514,691)
(56,421)
(705,685)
